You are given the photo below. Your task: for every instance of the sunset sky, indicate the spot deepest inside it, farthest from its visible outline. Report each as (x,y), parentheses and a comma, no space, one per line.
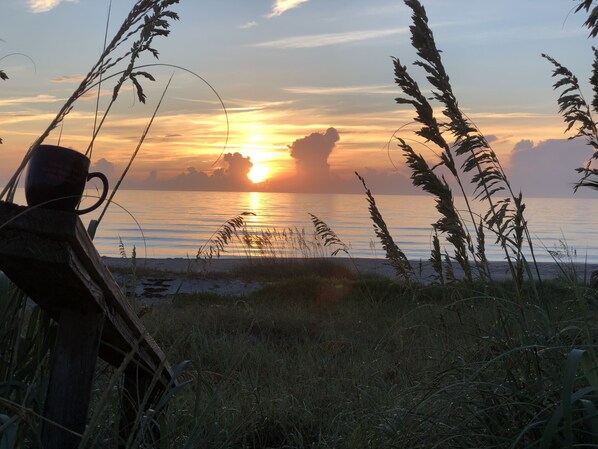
(308,85)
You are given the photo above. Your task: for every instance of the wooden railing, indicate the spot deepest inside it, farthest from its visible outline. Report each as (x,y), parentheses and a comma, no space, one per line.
(49,255)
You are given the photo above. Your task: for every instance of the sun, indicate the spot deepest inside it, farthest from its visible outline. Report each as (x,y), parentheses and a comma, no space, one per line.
(258,173)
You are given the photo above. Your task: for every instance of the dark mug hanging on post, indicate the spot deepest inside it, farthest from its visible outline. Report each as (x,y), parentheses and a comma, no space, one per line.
(56,179)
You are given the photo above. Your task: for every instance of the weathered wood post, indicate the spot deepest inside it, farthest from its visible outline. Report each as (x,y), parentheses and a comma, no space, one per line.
(71,376)
(49,255)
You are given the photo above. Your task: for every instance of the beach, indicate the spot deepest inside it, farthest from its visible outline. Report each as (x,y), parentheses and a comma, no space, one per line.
(158,280)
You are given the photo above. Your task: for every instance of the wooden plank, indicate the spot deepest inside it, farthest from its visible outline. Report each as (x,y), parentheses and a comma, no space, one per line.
(58,224)
(67,265)
(38,265)
(71,377)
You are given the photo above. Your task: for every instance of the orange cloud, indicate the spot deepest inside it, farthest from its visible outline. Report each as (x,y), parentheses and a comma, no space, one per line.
(23,100)
(68,79)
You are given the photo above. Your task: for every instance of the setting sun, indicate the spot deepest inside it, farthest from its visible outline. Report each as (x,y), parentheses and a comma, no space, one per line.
(258,173)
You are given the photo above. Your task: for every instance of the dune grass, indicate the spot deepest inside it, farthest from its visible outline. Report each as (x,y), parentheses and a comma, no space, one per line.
(346,361)
(310,361)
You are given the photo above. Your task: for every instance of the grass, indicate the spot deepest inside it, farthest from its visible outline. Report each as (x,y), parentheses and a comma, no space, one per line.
(347,361)
(359,362)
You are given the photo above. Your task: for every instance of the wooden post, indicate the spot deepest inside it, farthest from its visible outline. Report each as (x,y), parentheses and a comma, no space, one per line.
(71,376)
(51,257)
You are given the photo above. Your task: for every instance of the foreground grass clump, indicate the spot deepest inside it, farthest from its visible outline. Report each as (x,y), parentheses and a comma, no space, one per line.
(359,362)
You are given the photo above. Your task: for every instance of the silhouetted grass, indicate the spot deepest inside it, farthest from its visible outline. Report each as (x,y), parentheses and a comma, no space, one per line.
(235,237)
(368,362)
(467,157)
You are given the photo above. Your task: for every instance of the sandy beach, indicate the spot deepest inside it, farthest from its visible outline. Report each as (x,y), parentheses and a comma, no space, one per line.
(169,276)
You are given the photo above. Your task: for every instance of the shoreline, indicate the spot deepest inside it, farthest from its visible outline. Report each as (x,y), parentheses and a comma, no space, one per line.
(499,270)
(165,278)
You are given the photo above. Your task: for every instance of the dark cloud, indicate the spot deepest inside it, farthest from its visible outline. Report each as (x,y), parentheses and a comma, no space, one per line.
(231,177)
(104,166)
(523,145)
(190,179)
(237,168)
(108,169)
(311,152)
(548,168)
(314,174)
(153,176)
(312,171)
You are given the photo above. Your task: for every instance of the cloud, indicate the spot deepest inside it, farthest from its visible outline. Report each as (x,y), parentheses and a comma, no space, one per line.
(323,40)
(243,105)
(36,99)
(311,153)
(237,169)
(507,115)
(248,25)
(104,166)
(312,173)
(37,6)
(247,109)
(282,6)
(231,177)
(524,145)
(68,79)
(547,169)
(371,89)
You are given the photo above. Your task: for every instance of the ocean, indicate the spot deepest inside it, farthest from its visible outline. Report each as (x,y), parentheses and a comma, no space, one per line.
(166,224)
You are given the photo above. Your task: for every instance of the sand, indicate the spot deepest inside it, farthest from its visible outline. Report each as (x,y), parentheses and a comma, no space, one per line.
(169,276)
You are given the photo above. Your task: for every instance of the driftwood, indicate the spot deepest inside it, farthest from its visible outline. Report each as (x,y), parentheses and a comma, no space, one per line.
(49,255)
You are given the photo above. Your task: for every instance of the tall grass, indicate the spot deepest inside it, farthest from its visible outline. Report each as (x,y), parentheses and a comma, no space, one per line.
(469,160)
(236,238)
(314,361)
(575,109)
(26,340)
(574,419)
(394,254)
(535,384)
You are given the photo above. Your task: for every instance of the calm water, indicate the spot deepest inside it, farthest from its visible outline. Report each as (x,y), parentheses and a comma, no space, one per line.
(176,224)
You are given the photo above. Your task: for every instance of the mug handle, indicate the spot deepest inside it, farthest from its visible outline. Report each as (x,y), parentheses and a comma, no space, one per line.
(102,197)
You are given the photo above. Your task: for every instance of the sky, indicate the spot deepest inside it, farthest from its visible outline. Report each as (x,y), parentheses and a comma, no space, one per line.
(308,86)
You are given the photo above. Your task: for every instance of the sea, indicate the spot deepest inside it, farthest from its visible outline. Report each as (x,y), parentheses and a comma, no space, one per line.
(169,224)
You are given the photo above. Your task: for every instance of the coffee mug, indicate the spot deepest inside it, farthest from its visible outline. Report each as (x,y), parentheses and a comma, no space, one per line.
(56,178)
